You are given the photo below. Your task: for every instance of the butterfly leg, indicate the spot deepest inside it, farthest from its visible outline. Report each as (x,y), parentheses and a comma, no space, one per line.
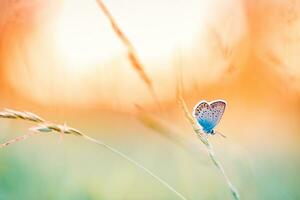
(219,133)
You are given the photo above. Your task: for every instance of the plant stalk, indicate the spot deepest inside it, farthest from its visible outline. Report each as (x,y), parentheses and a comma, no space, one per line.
(115,151)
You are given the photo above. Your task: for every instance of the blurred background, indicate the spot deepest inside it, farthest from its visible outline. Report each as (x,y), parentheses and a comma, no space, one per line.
(62,60)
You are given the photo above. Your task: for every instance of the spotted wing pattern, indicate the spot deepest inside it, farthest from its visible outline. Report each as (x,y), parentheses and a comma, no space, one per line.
(208,115)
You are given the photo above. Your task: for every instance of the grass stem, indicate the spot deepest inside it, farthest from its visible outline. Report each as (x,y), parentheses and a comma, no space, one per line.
(115,151)
(208,146)
(201,136)
(131,51)
(17,139)
(44,126)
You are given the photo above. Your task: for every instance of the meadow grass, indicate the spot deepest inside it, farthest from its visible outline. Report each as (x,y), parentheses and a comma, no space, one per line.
(43,126)
(202,136)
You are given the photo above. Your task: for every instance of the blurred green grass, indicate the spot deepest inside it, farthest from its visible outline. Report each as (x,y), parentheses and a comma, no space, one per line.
(42,167)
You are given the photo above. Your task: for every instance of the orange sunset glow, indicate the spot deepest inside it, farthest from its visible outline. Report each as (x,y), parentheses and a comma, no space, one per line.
(130,73)
(75,40)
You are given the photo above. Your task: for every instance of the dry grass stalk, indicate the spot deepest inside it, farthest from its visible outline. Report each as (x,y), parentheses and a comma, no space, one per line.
(43,126)
(12,114)
(225,49)
(202,136)
(132,55)
(131,52)
(17,139)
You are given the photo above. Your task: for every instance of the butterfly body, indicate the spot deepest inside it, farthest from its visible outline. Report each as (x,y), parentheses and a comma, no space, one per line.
(208,114)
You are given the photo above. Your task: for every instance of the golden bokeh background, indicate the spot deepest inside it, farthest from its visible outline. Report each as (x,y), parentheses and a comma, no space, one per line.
(62,59)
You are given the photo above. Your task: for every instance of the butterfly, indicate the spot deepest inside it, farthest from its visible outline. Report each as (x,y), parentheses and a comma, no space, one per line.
(208,115)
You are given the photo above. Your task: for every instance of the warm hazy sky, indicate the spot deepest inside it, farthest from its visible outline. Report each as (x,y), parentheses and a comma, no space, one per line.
(51,51)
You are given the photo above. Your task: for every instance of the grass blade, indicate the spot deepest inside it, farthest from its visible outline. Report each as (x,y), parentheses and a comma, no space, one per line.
(202,137)
(44,126)
(131,52)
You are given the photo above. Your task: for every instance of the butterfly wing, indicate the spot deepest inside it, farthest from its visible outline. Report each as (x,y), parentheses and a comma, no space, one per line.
(202,113)
(209,115)
(217,108)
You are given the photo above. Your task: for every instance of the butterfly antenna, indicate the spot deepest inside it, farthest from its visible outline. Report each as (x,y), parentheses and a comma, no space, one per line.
(224,136)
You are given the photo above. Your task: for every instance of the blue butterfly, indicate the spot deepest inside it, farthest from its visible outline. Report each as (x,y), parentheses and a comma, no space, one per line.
(209,114)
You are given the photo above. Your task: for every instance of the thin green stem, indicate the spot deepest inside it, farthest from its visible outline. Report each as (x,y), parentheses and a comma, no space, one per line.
(202,136)
(134,163)
(17,139)
(208,146)
(218,164)
(44,126)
